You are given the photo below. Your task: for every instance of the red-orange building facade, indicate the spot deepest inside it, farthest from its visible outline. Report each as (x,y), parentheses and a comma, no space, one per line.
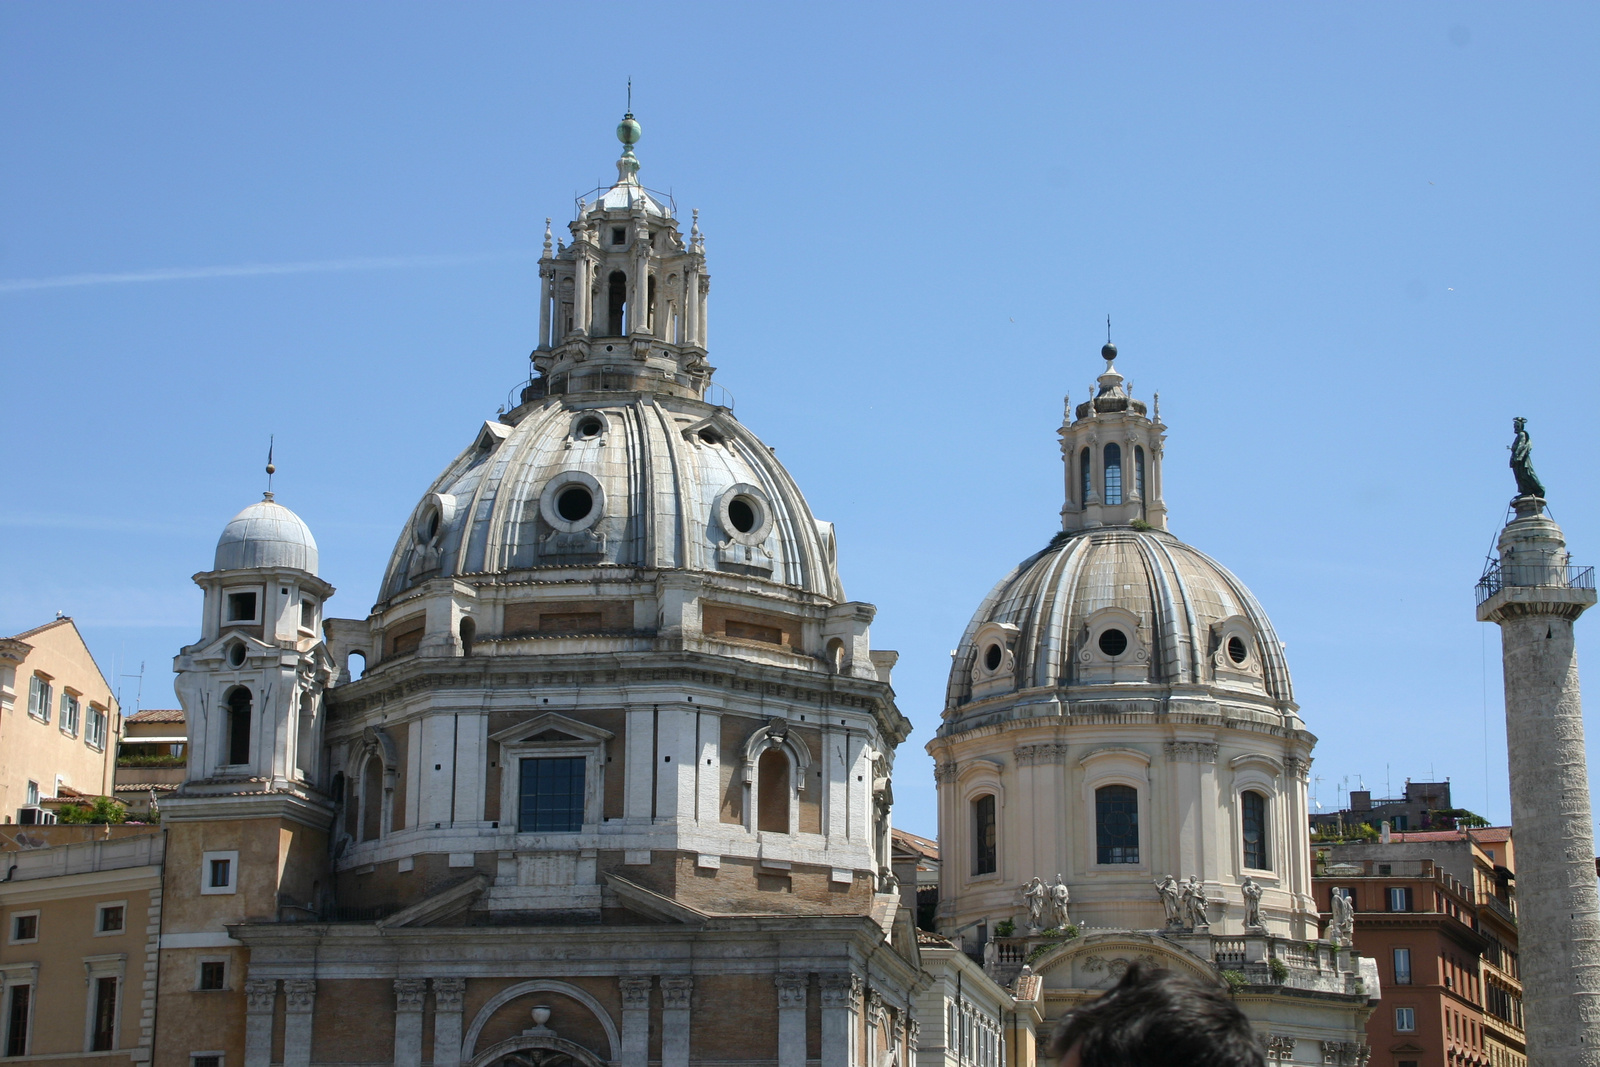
(1445,944)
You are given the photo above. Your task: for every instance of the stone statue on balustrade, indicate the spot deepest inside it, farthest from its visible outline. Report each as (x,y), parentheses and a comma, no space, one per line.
(1195,902)
(1342,927)
(1167,889)
(1035,896)
(1059,899)
(1252,904)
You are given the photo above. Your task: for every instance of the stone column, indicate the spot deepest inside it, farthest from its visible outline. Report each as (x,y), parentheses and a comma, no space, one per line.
(1559,927)
(447,997)
(546,278)
(791,1018)
(691,306)
(261,996)
(675,992)
(299,995)
(409,993)
(582,309)
(841,1006)
(635,1022)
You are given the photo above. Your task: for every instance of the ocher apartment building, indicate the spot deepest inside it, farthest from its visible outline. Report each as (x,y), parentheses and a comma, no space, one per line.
(59,722)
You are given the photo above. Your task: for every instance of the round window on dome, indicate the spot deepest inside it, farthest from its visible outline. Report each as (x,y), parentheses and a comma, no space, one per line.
(744,513)
(574,503)
(1113,642)
(1238,651)
(590,428)
(992,657)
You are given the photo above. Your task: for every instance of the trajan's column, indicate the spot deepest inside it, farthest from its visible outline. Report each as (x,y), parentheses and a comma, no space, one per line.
(1535,595)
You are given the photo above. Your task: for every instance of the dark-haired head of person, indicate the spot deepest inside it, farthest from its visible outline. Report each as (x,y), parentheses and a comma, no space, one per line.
(1157,1018)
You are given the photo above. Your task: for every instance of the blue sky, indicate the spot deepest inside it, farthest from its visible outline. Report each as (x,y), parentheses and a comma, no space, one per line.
(1346,242)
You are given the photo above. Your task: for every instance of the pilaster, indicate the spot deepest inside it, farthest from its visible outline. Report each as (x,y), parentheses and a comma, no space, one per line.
(409,994)
(841,1012)
(261,997)
(791,1018)
(299,1001)
(635,1021)
(675,996)
(448,994)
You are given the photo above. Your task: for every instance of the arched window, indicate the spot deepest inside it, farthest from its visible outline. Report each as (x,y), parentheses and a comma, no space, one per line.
(1253,816)
(1116,818)
(616,303)
(239,725)
(355,664)
(985,850)
(372,799)
(772,791)
(1083,477)
(1113,473)
(305,738)
(1138,470)
(469,630)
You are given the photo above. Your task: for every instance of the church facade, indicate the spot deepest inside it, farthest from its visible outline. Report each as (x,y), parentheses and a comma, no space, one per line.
(605,775)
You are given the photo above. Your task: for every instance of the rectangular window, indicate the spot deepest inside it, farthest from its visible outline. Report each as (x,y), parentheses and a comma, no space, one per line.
(39,697)
(17,1020)
(241,607)
(985,851)
(219,873)
(1402,966)
(94,727)
(308,614)
(619,236)
(1385,869)
(1405,1020)
(25,927)
(551,795)
(1116,813)
(1254,807)
(105,1015)
(1399,898)
(206,1059)
(69,714)
(213,974)
(31,797)
(111,919)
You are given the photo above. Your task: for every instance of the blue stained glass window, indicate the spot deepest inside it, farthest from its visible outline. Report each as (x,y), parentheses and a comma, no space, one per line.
(551,795)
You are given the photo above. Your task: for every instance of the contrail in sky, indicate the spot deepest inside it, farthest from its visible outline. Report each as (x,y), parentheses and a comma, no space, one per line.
(172,274)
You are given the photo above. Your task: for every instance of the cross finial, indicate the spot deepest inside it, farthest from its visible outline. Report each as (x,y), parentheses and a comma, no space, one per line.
(1108,329)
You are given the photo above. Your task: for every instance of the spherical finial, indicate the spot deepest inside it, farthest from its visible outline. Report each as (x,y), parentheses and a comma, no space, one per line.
(271,469)
(628,131)
(1108,352)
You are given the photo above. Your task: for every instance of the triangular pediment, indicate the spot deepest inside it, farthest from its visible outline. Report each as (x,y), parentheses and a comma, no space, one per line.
(559,728)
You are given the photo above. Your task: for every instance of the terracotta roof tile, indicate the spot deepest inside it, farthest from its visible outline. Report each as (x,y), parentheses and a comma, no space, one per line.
(158,715)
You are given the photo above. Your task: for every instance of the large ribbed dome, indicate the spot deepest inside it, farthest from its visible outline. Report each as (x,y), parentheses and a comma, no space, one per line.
(640,481)
(266,534)
(1182,617)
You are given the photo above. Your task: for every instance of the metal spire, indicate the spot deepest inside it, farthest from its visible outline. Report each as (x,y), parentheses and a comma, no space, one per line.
(271,470)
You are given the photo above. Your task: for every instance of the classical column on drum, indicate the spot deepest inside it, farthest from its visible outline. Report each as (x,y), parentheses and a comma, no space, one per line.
(791,1017)
(675,993)
(841,1011)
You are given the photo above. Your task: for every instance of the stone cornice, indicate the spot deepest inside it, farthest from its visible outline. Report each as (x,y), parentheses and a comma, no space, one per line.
(304,809)
(419,675)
